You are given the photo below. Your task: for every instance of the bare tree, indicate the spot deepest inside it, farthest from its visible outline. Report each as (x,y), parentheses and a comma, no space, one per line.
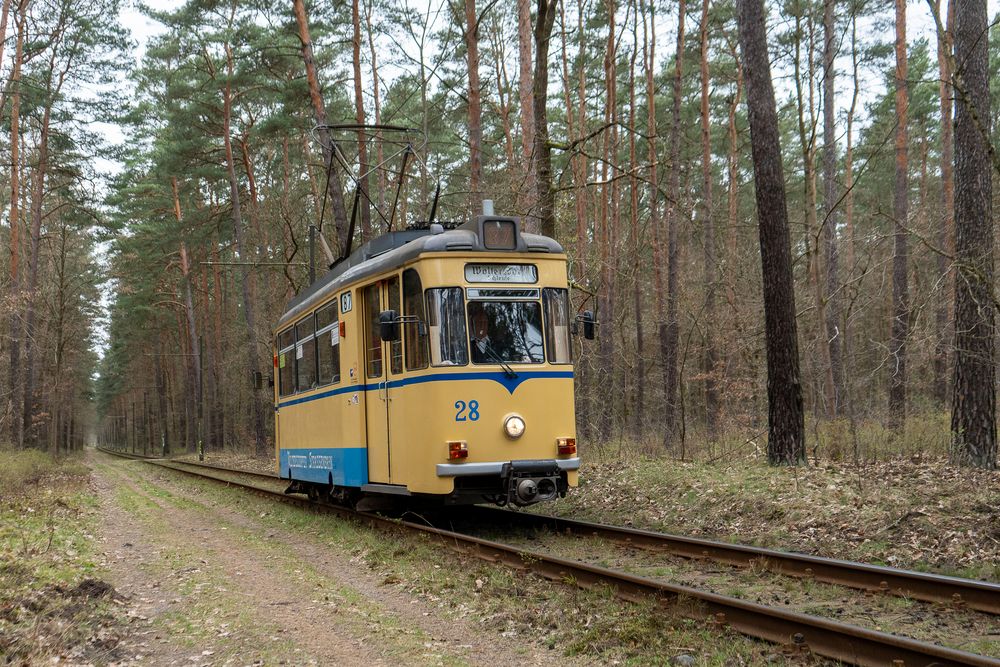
(786,427)
(946,234)
(900,290)
(471,32)
(17,432)
(710,355)
(670,330)
(830,200)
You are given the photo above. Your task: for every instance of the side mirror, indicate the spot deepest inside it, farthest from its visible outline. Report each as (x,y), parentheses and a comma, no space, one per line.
(257,380)
(388,326)
(589,324)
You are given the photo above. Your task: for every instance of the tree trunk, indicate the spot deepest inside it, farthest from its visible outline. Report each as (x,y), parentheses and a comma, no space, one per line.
(543,152)
(849,174)
(377,101)
(193,359)
(580,175)
(807,140)
(638,375)
(359,118)
(669,332)
(709,354)
(732,194)
(608,230)
(475,109)
(528,198)
(900,290)
(37,197)
(161,391)
(335,190)
(786,427)
(16,425)
(973,419)
(831,216)
(946,235)
(649,63)
(253,360)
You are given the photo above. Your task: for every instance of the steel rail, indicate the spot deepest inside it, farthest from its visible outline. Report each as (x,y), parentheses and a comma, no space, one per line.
(832,639)
(196,464)
(978,595)
(235,471)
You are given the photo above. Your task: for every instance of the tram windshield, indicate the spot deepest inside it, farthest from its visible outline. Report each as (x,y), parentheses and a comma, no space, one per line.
(505,332)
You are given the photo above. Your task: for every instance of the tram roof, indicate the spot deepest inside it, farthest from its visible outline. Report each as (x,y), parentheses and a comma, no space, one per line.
(397,248)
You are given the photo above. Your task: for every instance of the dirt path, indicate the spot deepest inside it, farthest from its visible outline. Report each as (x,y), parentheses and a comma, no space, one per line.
(214,584)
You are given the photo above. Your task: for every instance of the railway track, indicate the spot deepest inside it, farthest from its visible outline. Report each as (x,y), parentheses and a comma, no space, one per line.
(978,595)
(821,636)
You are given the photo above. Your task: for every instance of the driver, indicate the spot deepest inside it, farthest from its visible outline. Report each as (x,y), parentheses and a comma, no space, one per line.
(480,325)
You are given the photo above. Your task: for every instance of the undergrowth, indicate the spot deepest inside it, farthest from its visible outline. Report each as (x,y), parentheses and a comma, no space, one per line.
(52,601)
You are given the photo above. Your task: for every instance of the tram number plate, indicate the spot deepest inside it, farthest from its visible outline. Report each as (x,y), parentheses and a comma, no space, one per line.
(345,302)
(467,411)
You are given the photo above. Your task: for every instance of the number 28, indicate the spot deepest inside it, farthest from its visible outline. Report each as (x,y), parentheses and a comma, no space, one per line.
(473,411)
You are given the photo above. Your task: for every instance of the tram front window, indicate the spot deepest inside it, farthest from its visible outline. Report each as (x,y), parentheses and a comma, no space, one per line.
(505,331)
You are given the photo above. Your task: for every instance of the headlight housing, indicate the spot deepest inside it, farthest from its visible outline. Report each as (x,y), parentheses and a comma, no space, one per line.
(513,426)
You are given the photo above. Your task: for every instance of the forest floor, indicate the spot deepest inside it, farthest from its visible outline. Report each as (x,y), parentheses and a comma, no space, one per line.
(162,569)
(914,513)
(146,566)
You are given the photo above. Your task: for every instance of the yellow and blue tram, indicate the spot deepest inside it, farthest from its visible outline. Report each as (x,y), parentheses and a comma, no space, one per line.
(432,363)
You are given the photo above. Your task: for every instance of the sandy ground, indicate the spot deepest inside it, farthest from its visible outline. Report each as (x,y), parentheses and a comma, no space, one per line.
(210,585)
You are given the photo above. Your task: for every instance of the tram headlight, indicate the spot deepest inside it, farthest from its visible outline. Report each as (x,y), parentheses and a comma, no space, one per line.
(513,426)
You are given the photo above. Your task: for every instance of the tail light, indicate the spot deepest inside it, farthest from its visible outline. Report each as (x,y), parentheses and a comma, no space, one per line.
(566,446)
(458,450)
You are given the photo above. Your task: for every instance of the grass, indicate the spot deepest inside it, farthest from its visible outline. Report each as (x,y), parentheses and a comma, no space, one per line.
(919,513)
(20,469)
(52,599)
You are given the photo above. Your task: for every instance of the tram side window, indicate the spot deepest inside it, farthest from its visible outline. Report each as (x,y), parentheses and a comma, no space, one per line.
(557,345)
(305,355)
(373,343)
(286,362)
(446,327)
(413,307)
(328,344)
(396,346)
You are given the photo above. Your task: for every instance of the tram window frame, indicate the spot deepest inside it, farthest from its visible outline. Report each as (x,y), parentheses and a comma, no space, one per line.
(436,333)
(326,327)
(373,341)
(415,343)
(549,294)
(307,343)
(286,362)
(395,303)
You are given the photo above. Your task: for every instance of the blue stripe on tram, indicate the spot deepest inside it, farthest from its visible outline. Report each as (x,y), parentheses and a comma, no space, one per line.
(509,383)
(343,466)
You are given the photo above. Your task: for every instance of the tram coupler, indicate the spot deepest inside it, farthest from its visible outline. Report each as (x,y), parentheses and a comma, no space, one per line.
(530,482)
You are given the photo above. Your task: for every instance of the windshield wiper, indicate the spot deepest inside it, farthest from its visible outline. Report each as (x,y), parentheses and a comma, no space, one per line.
(488,349)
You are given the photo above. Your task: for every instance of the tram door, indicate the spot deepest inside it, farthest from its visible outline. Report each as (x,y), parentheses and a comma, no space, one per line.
(383,362)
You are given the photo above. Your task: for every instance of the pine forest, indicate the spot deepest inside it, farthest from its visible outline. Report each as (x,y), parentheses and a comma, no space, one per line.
(781,212)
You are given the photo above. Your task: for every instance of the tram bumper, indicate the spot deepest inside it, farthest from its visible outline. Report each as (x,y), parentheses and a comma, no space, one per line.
(523,482)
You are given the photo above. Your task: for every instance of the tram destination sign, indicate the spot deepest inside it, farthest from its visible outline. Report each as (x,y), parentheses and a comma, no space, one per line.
(501,273)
